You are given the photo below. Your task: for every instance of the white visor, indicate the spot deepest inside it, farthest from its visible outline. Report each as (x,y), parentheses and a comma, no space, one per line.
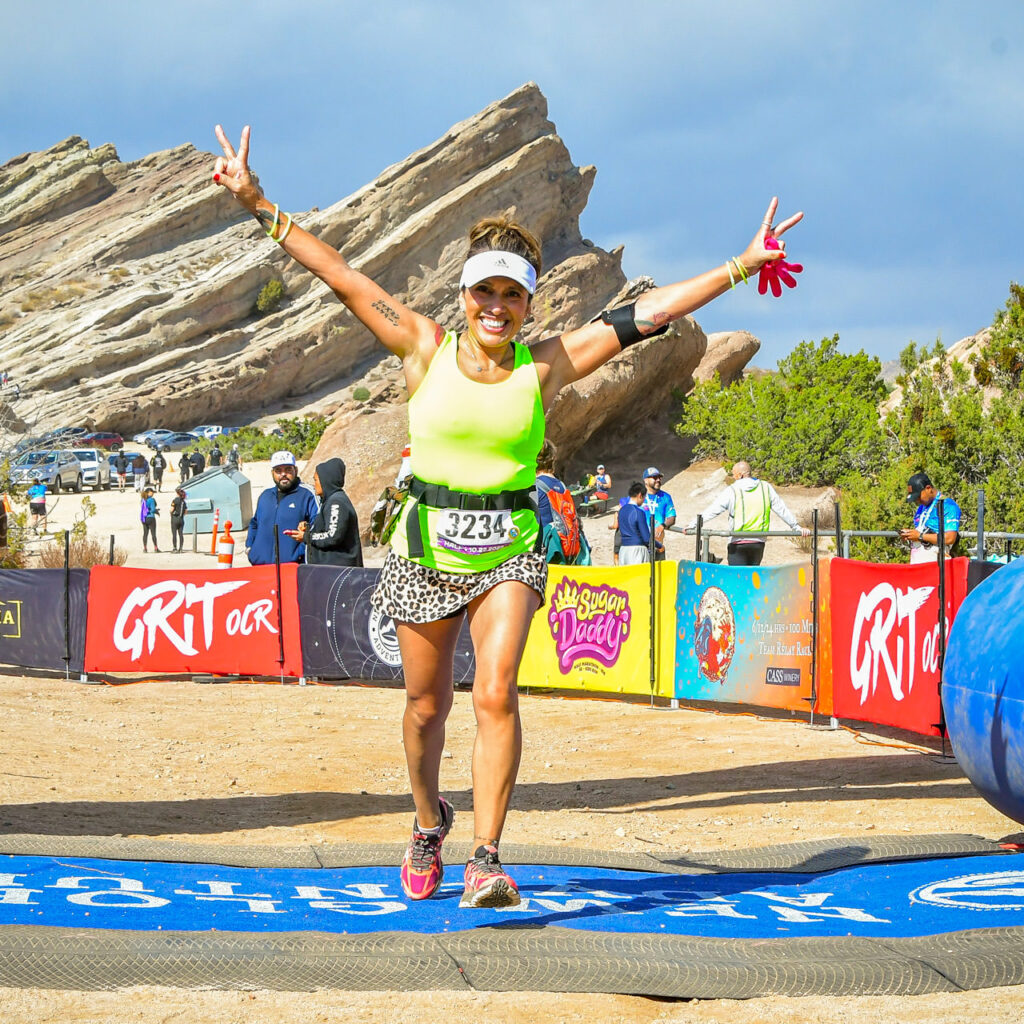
(498,263)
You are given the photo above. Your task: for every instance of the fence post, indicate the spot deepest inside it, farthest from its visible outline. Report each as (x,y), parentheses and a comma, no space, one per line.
(981,524)
(700,528)
(654,609)
(941,538)
(280,602)
(195,535)
(67,604)
(839,528)
(111,562)
(814,611)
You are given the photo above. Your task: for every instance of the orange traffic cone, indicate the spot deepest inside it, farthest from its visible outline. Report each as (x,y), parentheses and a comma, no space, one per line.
(226,548)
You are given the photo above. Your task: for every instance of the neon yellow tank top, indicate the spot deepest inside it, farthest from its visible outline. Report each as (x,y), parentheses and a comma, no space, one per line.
(482,438)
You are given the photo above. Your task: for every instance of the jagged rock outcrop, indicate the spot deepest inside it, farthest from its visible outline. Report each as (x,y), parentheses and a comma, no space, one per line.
(960,351)
(727,354)
(129,288)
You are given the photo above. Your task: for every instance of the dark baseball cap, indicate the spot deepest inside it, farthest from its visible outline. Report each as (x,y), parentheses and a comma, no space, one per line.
(917,483)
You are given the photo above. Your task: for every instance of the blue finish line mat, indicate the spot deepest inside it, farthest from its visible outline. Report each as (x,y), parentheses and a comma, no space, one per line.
(900,920)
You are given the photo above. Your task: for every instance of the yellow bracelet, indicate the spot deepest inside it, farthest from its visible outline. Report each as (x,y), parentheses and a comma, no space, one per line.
(742,270)
(277,217)
(732,277)
(284,234)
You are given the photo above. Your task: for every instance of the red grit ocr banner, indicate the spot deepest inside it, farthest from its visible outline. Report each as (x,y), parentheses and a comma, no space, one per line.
(885,636)
(194,621)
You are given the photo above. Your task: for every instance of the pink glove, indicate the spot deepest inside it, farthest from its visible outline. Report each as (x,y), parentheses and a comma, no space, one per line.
(771,273)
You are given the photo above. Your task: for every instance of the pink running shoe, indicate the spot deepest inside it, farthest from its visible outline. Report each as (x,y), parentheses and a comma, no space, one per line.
(487,883)
(422,869)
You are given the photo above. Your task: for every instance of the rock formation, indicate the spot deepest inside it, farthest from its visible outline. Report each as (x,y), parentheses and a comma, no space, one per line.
(129,288)
(727,354)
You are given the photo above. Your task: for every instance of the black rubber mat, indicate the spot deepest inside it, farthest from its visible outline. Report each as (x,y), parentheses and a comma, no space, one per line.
(509,958)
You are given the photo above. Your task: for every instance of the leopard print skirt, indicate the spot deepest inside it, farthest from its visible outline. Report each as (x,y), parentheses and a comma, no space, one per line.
(410,592)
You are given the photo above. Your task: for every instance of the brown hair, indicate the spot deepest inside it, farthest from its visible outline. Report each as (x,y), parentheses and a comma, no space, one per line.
(546,458)
(503,233)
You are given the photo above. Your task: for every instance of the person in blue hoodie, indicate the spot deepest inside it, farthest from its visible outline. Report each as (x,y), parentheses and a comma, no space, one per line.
(285,505)
(333,537)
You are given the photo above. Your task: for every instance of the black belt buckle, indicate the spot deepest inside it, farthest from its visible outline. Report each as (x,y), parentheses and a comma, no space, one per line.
(472,502)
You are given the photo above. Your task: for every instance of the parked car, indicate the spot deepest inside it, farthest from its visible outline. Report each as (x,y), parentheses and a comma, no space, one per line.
(55,468)
(151,435)
(96,471)
(102,439)
(130,456)
(177,442)
(207,430)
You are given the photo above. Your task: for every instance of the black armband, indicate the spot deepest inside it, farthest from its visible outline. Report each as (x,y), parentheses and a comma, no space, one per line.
(623,320)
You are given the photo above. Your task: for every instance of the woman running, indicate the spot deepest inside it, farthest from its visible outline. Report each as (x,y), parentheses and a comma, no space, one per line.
(465,544)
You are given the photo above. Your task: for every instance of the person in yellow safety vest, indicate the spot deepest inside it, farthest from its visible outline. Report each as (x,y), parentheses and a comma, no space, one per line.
(750,503)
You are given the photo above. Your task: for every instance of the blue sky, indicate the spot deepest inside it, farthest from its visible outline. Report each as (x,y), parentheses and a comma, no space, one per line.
(897,127)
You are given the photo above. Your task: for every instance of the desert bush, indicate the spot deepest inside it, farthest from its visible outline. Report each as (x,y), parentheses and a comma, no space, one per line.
(270,297)
(361,394)
(814,420)
(83,553)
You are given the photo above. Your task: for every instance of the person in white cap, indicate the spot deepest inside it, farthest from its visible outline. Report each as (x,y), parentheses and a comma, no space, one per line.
(464,546)
(602,482)
(284,505)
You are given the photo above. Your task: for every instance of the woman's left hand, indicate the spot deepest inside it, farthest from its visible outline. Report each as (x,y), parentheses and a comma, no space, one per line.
(758,253)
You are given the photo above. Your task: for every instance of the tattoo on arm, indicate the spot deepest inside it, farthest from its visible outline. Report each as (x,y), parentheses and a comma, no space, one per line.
(659,320)
(385,311)
(265,217)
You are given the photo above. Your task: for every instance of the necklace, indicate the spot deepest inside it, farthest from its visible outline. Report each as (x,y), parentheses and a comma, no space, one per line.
(499,363)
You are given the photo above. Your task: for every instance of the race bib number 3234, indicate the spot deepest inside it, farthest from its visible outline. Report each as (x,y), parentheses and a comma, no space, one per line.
(475,532)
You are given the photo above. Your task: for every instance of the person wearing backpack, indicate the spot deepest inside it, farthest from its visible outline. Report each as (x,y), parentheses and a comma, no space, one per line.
(562,538)
(147,516)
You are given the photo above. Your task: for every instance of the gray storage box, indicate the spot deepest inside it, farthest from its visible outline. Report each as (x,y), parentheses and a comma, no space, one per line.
(219,487)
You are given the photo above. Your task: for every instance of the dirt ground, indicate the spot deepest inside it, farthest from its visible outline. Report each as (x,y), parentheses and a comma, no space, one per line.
(279,765)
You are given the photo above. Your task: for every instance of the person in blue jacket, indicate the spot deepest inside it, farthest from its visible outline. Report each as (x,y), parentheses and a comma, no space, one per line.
(285,505)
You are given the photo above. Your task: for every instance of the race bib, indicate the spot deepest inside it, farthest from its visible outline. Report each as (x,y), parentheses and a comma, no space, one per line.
(473,533)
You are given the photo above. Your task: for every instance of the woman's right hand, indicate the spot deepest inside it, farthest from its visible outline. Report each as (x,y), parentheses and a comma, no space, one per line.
(232,170)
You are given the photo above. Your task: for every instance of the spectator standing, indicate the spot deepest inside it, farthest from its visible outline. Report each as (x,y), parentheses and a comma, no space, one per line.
(635,528)
(121,468)
(147,516)
(140,472)
(197,462)
(562,538)
(284,505)
(660,503)
(750,503)
(184,466)
(235,457)
(617,535)
(37,505)
(158,464)
(178,507)
(333,537)
(924,535)
(216,455)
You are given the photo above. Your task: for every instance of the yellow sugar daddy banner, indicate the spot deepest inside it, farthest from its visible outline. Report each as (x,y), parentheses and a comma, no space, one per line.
(594,631)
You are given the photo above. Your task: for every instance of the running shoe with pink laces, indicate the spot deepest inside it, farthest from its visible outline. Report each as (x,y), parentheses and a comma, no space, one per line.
(422,869)
(487,883)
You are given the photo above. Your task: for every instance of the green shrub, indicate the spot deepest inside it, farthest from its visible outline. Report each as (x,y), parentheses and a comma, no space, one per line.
(811,422)
(270,297)
(361,394)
